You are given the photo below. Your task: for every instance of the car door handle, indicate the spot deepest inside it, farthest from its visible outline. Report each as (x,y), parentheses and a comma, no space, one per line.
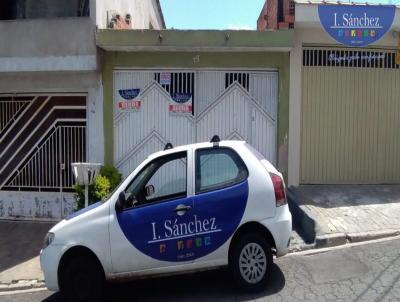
(182,208)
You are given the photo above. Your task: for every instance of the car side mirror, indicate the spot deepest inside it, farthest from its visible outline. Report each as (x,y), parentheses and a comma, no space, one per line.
(149,190)
(121,202)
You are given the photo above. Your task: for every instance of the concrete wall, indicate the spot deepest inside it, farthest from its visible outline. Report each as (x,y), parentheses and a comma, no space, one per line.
(143,12)
(50,8)
(65,44)
(37,205)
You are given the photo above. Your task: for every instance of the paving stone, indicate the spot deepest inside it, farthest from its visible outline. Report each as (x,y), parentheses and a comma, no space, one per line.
(353,210)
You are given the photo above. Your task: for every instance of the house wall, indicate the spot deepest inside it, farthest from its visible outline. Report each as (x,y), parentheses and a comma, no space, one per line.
(143,12)
(192,60)
(308,31)
(63,44)
(49,8)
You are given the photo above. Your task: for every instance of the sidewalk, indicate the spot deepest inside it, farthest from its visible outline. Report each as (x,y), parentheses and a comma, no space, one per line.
(323,215)
(336,214)
(20,243)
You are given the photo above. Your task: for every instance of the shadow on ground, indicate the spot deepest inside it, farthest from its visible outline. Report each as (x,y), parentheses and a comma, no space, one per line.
(20,241)
(213,285)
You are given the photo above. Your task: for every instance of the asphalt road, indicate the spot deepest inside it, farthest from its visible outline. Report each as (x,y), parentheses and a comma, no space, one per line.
(369,272)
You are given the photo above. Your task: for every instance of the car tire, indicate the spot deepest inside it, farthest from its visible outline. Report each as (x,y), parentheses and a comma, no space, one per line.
(82,279)
(251,262)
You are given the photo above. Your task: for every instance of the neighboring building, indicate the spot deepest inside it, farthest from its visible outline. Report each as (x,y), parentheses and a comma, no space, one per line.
(51,96)
(186,86)
(344,105)
(276,14)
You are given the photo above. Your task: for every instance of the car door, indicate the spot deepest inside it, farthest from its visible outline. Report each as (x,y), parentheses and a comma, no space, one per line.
(151,227)
(221,193)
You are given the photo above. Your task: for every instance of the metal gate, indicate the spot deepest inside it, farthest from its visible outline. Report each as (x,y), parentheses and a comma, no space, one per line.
(39,138)
(350,116)
(233,104)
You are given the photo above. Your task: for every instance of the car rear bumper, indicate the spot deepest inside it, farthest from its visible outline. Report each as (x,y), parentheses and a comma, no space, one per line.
(281,229)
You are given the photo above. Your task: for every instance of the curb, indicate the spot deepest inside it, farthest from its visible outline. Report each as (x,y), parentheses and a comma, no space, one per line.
(301,217)
(22,285)
(326,240)
(365,236)
(336,239)
(341,239)
(301,248)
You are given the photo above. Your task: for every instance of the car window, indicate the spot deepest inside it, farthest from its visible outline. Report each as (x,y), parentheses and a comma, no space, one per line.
(169,179)
(218,168)
(162,179)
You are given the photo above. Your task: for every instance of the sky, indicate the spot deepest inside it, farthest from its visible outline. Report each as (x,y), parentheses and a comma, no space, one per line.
(218,14)
(211,14)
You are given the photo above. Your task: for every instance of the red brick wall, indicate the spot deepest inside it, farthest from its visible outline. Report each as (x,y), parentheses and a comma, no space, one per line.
(268,19)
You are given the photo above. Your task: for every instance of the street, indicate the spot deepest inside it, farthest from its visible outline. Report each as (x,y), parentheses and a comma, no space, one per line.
(367,272)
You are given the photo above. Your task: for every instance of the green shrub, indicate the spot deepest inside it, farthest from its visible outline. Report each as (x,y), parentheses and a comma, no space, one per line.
(107,180)
(112,174)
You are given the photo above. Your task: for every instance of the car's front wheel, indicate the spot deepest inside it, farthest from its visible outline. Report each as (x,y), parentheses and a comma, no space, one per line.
(82,280)
(251,262)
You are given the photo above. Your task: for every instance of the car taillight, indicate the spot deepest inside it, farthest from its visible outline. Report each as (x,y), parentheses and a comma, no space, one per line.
(279,188)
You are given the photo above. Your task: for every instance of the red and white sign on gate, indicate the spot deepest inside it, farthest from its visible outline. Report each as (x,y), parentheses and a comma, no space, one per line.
(181,103)
(130,100)
(129,105)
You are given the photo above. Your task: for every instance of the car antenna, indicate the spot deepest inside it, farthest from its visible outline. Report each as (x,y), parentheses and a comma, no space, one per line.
(215,140)
(168,146)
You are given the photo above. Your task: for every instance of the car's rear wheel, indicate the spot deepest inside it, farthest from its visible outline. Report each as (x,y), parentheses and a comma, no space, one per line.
(251,262)
(82,279)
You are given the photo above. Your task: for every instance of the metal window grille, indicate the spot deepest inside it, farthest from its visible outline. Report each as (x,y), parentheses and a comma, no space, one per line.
(181,82)
(350,58)
(242,78)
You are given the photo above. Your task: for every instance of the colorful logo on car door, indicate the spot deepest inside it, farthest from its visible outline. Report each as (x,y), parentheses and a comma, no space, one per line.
(163,232)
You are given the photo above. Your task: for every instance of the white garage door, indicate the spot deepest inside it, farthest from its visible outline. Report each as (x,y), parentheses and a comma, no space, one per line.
(152,108)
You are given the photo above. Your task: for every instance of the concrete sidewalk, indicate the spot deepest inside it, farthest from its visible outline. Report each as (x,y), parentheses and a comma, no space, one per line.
(323,215)
(336,214)
(20,243)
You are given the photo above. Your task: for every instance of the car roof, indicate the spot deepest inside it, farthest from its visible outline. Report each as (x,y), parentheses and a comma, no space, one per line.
(223,143)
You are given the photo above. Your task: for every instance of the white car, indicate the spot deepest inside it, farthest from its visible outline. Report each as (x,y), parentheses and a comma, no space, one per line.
(183,209)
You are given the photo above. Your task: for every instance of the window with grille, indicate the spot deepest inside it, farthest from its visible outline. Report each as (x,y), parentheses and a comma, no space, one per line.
(241,77)
(181,82)
(349,58)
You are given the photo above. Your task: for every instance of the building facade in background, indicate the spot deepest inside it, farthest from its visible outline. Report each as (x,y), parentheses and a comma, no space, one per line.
(73,87)
(51,96)
(344,100)
(276,14)
(183,87)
